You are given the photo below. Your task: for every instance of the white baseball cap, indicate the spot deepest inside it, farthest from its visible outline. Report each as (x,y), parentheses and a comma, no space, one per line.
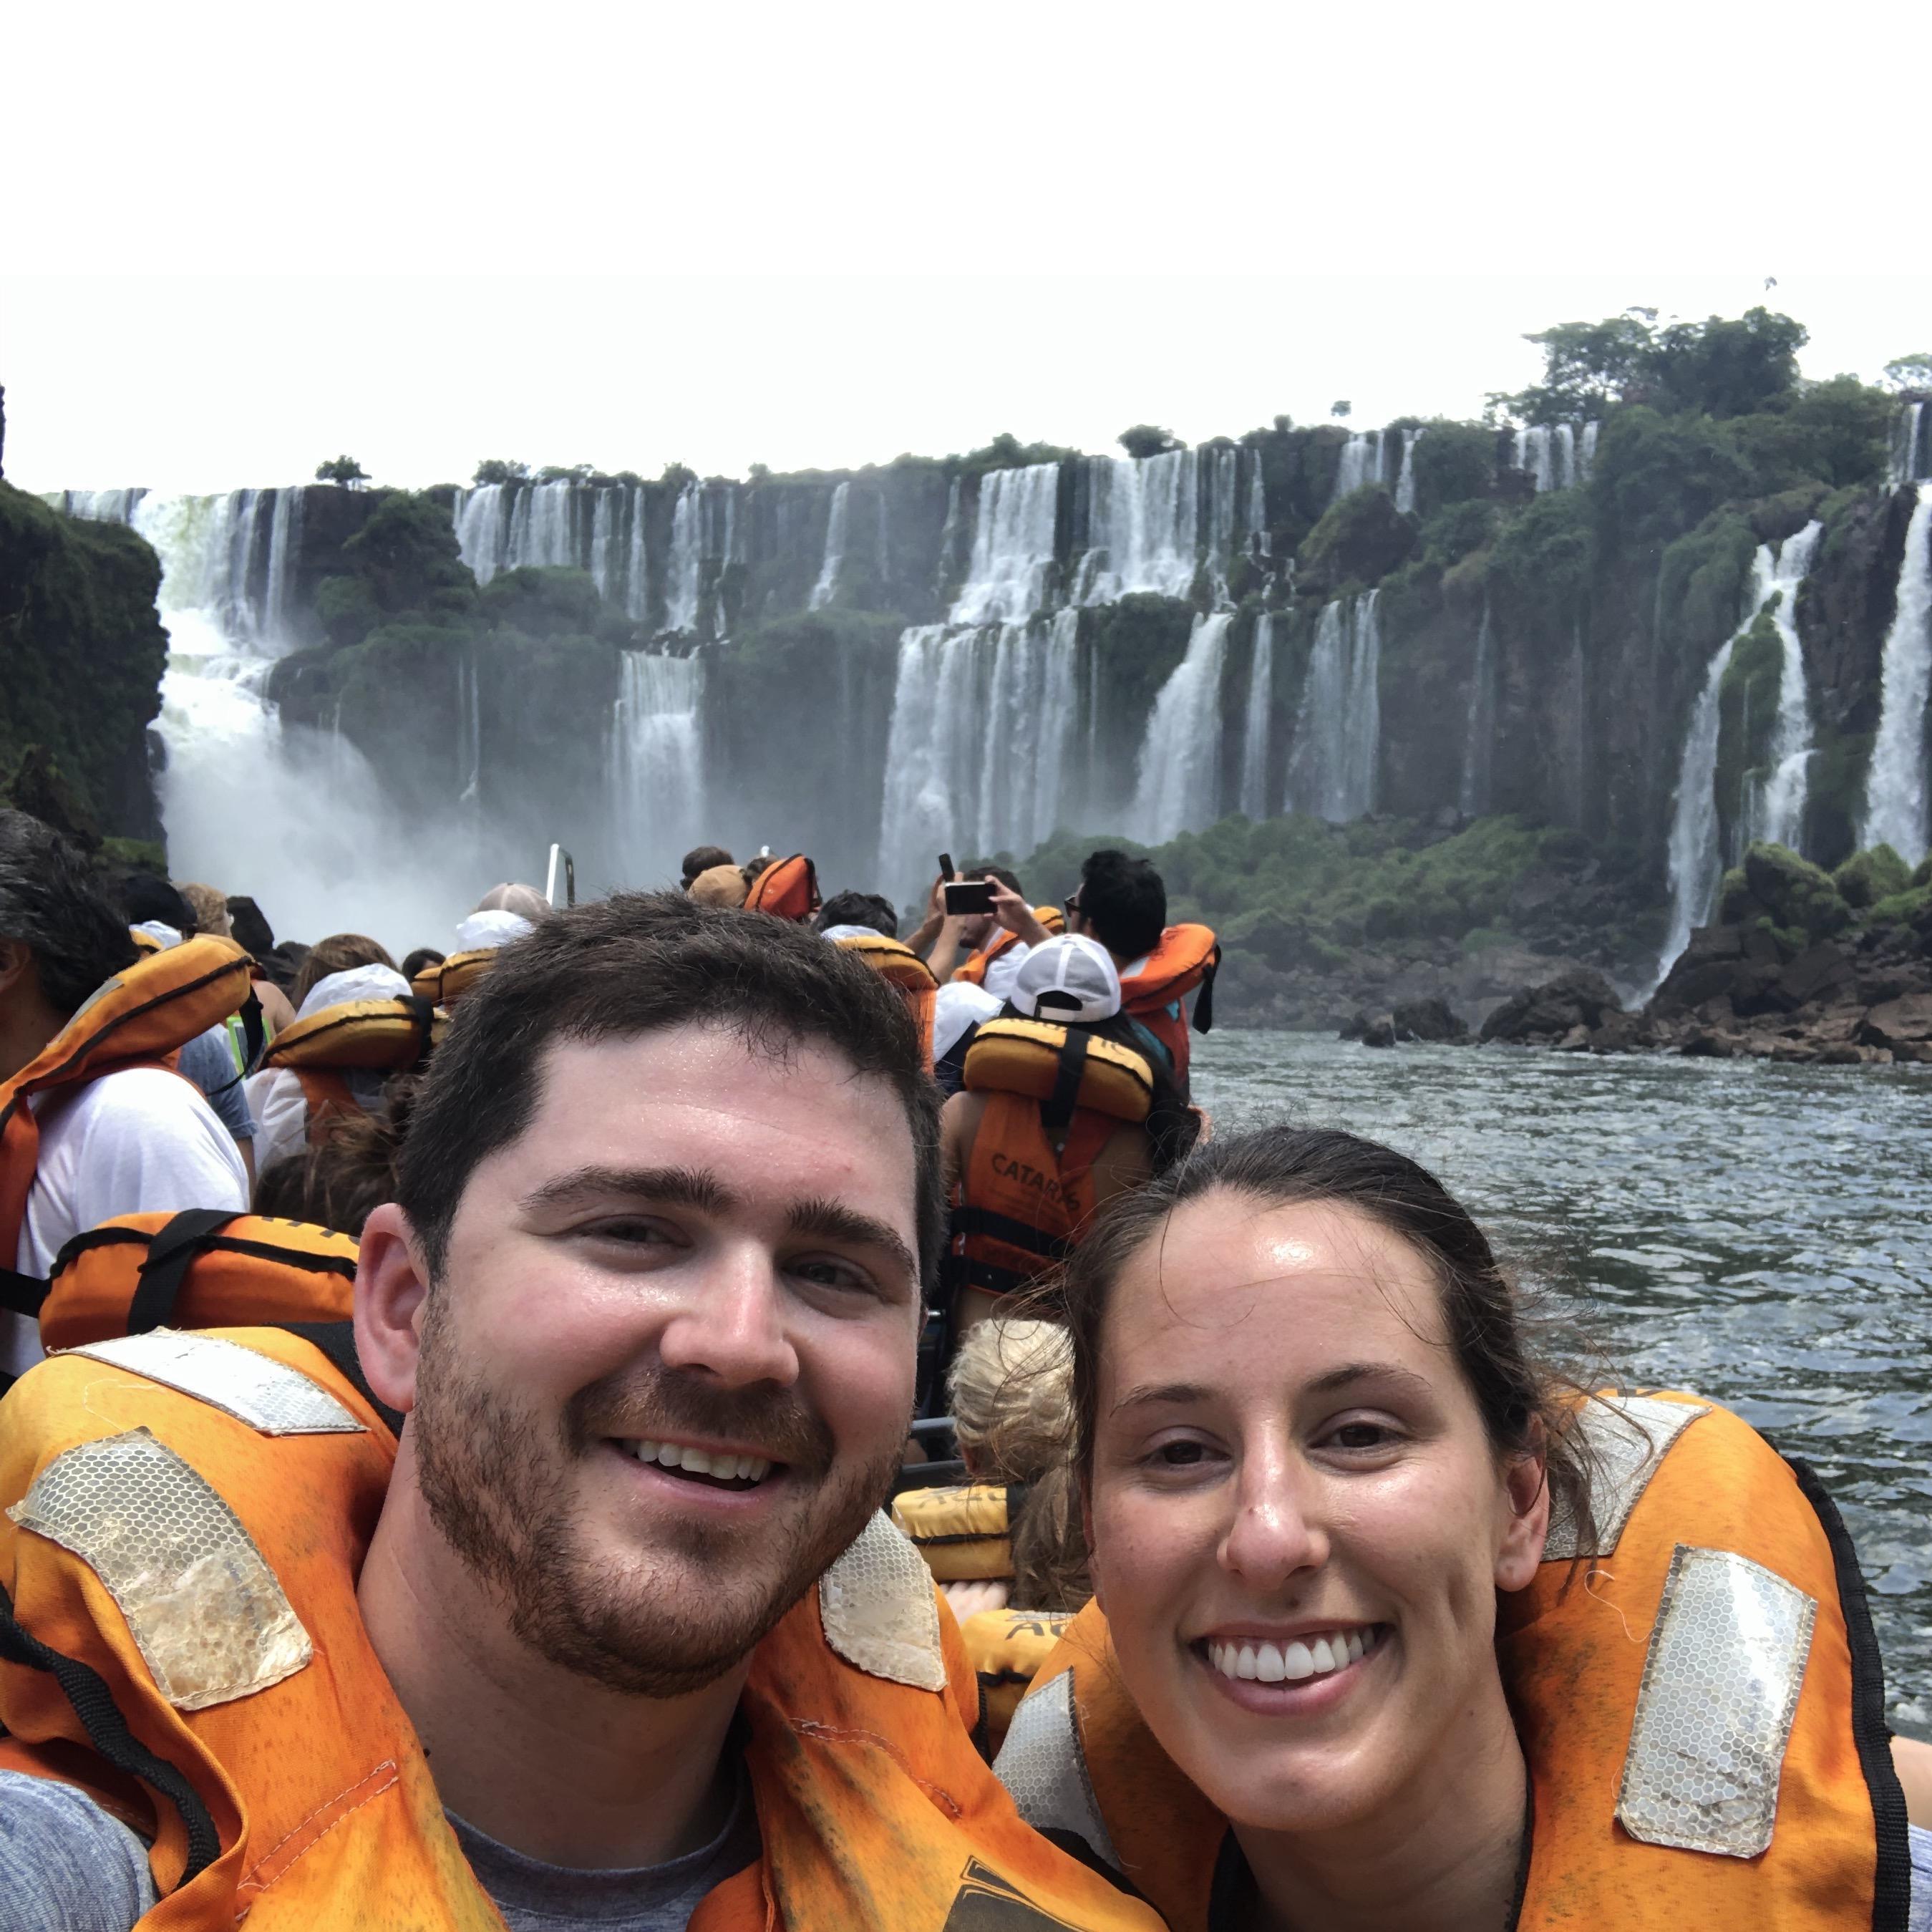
(1071,977)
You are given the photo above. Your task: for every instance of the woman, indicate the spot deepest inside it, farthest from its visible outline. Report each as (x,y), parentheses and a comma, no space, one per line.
(1390,1632)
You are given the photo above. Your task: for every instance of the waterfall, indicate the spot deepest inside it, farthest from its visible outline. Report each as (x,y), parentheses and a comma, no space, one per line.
(1223,474)
(1333,766)
(1552,454)
(1404,485)
(1695,866)
(1177,780)
(658,755)
(637,582)
(1143,525)
(977,758)
(1895,784)
(98,506)
(482,518)
(1775,811)
(1586,451)
(285,529)
(1258,532)
(1012,546)
(563,525)
(1912,445)
(1479,732)
(1361,463)
(1255,737)
(684,574)
(823,590)
(468,731)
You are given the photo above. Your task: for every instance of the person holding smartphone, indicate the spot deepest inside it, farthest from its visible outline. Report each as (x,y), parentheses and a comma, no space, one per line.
(983,915)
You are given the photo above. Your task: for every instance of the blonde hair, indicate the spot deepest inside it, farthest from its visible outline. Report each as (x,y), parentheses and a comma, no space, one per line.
(525,901)
(1011,1393)
(210,909)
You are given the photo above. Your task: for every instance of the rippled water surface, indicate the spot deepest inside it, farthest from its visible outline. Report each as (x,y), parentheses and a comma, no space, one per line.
(1761,1233)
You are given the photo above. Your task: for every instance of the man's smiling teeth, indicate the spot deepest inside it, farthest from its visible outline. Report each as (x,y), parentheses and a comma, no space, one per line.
(1288,1663)
(701,1462)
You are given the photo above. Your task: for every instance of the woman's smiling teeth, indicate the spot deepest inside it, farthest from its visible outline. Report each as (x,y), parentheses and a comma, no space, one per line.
(1289,1663)
(722,1468)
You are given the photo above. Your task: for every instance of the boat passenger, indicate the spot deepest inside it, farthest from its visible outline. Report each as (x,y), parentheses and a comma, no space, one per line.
(610,1628)
(1393,1631)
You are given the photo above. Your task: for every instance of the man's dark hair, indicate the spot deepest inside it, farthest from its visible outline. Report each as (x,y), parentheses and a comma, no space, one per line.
(250,927)
(1127,902)
(50,903)
(979,869)
(423,955)
(639,963)
(858,909)
(144,897)
(701,859)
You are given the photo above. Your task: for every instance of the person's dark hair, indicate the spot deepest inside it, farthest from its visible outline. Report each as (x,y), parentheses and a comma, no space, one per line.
(423,955)
(49,903)
(858,909)
(701,859)
(248,926)
(979,869)
(1515,1392)
(347,1170)
(337,953)
(1127,901)
(639,963)
(144,897)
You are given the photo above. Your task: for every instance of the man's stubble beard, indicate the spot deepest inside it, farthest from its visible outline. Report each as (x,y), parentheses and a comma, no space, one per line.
(496,1484)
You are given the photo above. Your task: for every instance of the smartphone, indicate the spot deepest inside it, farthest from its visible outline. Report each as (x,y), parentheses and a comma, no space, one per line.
(945,865)
(969,895)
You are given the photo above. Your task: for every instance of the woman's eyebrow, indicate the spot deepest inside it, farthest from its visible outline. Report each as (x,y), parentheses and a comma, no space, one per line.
(1364,1372)
(1177,1395)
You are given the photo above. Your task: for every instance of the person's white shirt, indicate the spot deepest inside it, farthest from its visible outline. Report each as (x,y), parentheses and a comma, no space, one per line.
(138,1141)
(1004,969)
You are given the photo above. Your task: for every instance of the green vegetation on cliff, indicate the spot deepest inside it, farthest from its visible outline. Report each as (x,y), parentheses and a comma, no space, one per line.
(82,651)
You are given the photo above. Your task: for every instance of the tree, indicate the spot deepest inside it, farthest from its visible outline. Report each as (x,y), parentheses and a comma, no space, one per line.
(1147,440)
(1587,366)
(494,470)
(1910,372)
(342,469)
(1341,409)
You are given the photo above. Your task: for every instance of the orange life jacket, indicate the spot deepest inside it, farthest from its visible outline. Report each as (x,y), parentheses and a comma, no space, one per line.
(364,1035)
(1706,1671)
(972,968)
(1055,1096)
(894,961)
(1007,1649)
(788,888)
(443,985)
(141,1017)
(963,1531)
(189,1513)
(203,1268)
(1188,956)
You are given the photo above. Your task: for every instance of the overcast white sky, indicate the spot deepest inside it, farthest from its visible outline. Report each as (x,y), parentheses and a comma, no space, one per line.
(241,239)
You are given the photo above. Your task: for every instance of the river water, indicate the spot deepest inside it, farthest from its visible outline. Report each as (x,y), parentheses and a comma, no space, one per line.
(1762,1235)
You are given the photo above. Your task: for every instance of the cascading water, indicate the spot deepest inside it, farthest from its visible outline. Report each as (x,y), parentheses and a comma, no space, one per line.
(1895,784)
(658,779)
(983,726)
(1333,764)
(1554,455)
(1012,546)
(559,525)
(1404,484)
(1696,864)
(1143,525)
(1361,463)
(1257,513)
(685,573)
(1775,811)
(470,731)
(826,588)
(1256,736)
(1586,451)
(1912,445)
(1479,732)
(1178,775)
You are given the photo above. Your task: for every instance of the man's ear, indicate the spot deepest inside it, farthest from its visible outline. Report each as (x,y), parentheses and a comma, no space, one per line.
(17,963)
(391,1290)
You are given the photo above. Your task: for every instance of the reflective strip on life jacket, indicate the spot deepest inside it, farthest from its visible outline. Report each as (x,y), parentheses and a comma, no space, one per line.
(298,1794)
(1696,1689)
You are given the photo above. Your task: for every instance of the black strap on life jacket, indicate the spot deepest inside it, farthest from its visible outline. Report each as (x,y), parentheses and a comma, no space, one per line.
(1056,1111)
(170,1254)
(23,1294)
(108,1731)
(423,1012)
(970,1220)
(1203,1006)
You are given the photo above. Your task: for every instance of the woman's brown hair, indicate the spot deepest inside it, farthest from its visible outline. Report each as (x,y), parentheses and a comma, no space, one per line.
(337,953)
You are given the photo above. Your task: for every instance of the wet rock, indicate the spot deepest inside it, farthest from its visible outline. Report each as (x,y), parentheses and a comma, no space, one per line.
(1379,1032)
(1906,1021)
(1543,1015)
(1818,975)
(1433,1019)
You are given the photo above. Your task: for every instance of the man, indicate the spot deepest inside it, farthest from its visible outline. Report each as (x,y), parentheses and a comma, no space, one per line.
(77,1151)
(702,858)
(866,909)
(995,950)
(647,1301)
